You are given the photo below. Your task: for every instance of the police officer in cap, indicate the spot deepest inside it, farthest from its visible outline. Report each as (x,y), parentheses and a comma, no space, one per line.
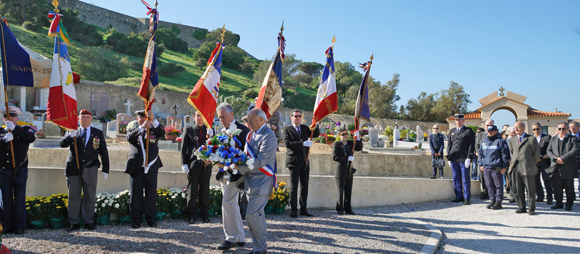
(90,144)
(460,149)
(144,174)
(13,180)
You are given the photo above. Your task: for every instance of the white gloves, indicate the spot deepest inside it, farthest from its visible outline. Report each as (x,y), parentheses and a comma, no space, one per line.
(155,123)
(209,133)
(307,143)
(467,163)
(357,135)
(351,158)
(8,137)
(72,133)
(105,175)
(185,168)
(10,125)
(450,164)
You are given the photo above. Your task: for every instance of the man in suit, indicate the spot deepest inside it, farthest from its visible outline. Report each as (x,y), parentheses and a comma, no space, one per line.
(575,131)
(90,143)
(562,150)
(298,143)
(478,140)
(144,174)
(13,180)
(232,212)
(436,144)
(525,154)
(198,171)
(460,149)
(259,179)
(543,141)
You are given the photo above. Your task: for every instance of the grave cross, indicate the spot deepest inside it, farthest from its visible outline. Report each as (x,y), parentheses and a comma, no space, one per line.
(175,107)
(501,89)
(128,104)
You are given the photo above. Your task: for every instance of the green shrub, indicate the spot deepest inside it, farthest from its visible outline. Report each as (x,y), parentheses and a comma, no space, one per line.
(99,64)
(133,44)
(199,34)
(247,67)
(169,69)
(160,49)
(30,26)
(168,36)
(201,63)
(351,127)
(250,94)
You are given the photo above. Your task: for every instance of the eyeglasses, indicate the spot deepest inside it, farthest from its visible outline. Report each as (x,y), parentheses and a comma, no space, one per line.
(536,129)
(435,128)
(297,116)
(562,129)
(344,134)
(11,115)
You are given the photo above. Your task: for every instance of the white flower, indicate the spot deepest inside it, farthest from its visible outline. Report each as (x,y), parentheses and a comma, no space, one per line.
(116,206)
(95,209)
(183,195)
(103,205)
(236,171)
(232,142)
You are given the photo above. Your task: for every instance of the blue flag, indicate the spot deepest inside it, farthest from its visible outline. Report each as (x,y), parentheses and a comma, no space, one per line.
(362,110)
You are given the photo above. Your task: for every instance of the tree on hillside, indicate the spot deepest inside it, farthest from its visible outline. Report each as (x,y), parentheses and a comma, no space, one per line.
(26,10)
(232,57)
(311,68)
(382,98)
(289,70)
(230,39)
(168,36)
(454,100)
(421,108)
(346,76)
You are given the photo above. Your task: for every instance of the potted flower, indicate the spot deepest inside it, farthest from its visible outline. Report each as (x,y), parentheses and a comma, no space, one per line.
(121,206)
(178,202)
(172,133)
(57,209)
(123,127)
(40,134)
(215,200)
(278,200)
(330,139)
(103,208)
(163,204)
(37,211)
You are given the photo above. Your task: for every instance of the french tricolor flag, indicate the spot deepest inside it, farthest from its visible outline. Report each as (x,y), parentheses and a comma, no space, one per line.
(326,99)
(204,96)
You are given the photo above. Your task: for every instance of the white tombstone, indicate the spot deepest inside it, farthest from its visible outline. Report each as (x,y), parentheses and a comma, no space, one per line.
(112,129)
(373,137)
(419,135)
(128,104)
(396,136)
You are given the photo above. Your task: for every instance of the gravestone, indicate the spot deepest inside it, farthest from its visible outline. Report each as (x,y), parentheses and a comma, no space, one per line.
(419,134)
(123,118)
(396,136)
(373,137)
(187,121)
(51,130)
(99,101)
(112,129)
(26,117)
(128,104)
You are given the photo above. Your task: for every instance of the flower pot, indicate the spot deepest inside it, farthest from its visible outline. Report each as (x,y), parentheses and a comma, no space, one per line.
(56,222)
(171,137)
(160,216)
(269,209)
(177,214)
(37,224)
(279,210)
(125,219)
(104,220)
(329,142)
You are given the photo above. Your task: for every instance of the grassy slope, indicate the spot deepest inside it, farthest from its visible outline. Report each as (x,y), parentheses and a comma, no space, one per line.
(232,82)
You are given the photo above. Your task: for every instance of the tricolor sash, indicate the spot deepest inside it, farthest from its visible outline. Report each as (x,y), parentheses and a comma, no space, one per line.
(267,169)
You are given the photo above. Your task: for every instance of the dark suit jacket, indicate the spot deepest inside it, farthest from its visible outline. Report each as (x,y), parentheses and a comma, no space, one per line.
(568,170)
(524,155)
(296,152)
(544,142)
(190,142)
(338,155)
(89,154)
(136,157)
(23,136)
(461,145)
(436,143)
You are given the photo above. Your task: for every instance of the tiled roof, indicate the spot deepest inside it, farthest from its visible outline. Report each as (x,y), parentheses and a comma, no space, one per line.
(503,97)
(472,115)
(537,113)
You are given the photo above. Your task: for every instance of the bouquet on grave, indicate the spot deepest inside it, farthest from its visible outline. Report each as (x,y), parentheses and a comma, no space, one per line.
(227,150)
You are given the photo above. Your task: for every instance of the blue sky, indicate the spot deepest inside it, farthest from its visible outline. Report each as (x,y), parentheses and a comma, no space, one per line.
(529,47)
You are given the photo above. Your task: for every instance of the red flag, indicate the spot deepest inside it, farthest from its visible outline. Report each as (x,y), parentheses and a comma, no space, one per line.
(204,95)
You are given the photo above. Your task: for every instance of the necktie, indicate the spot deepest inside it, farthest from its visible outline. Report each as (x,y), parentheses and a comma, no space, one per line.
(201,135)
(520,139)
(298,130)
(84,136)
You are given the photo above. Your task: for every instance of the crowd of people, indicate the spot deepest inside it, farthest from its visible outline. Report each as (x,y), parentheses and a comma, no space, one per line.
(512,160)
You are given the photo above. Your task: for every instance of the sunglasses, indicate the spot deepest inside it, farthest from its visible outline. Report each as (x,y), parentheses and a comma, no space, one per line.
(344,134)
(435,128)
(536,129)
(562,129)
(11,115)
(297,116)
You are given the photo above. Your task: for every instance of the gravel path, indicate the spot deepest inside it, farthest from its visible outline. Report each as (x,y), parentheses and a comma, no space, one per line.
(368,232)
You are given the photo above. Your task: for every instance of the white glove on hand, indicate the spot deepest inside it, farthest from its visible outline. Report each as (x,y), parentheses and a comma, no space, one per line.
(450,164)
(8,137)
(155,123)
(350,158)
(10,125)
(467,163)
(210,132)
(357,135)
(185,168)
(71,133)
(105,175)
(141,129)
(307,143)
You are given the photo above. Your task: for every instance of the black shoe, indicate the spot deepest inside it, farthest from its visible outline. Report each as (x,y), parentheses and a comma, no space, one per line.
(496,206)
(457,200)
(567,209)
(136,224)
(549,202)
(521,210)
(512,200)
(467,202)
(557,206)
(305,213)
(294,214)
(340,212)
(8,231)
(152,224)
(490,205)
(532,212)
(20,231)
(205,220)
(191,220)
(483,196)
(539,199)
(432,177)
(350,212)
(228,245)
(73,227)
(90,226)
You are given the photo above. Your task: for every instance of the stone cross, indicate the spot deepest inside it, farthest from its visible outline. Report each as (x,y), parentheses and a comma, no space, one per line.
(175,109)
(128,104)
(501,89)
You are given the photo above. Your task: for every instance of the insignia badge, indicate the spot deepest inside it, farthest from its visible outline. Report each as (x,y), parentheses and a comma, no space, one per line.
(196,138)
(152,141)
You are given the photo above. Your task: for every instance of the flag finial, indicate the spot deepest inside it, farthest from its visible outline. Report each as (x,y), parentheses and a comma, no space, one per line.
(55,3)
(156,4)
(333,40)
(223,32)
(372,57)
(282,28)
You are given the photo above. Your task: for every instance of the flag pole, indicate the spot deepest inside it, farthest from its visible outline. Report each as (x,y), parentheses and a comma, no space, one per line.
(6,100)
(356,125)
(147,114)
(312,132)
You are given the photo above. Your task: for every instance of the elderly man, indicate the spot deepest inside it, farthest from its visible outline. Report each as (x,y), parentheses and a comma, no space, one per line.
(259,179)
(198,172)
(543,141)
(575,131)
(298,143)
(478,140)
(232,219)
(525,153)
(82,182)
(460,148)
(144,173)
(562,150)
(13,180)
(493,161)
(436,144)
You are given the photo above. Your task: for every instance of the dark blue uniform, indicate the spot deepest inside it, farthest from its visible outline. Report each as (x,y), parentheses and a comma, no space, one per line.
(13,212)
(494,155)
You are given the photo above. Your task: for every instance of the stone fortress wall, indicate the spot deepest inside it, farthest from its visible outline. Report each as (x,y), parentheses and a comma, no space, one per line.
(123,23)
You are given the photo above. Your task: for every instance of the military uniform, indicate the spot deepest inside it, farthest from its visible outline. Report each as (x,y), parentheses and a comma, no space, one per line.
(460,148)
(13,186)
(139,177)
